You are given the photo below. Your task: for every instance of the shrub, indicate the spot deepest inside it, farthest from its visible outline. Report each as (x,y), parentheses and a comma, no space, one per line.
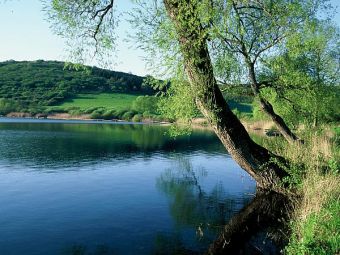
(147,114)
(110,114)
(128,115)
(90,110)
(120,113)
(145,103)
(35,110)
(8,105)
(258,114)
(75,112)
(137,118)
(97,114)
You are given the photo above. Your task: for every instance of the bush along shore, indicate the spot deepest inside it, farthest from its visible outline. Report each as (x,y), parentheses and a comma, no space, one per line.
(68,116)
(122,107)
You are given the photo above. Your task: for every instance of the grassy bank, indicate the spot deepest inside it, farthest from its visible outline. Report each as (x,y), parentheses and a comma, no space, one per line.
(110,106)
(316,222)
(107,106)
(118,101)
(314,169)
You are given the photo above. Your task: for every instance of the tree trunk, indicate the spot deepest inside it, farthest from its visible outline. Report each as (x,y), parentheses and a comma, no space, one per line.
(268,108)
(261,164)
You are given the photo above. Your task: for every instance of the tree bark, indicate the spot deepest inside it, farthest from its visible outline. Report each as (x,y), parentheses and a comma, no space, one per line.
(268,108)
(265,167)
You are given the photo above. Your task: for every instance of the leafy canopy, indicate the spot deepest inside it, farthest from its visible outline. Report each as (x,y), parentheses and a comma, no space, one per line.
(264,33)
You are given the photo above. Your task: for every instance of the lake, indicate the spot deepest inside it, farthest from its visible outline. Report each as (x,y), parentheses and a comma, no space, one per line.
(85,187)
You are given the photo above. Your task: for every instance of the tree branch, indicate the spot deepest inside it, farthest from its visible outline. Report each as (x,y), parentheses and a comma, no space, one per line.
(101,16)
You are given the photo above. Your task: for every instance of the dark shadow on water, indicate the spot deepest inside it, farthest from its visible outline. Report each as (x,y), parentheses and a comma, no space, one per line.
(83,250)
(194,206)
(219,219)
(259,228)
(209,220)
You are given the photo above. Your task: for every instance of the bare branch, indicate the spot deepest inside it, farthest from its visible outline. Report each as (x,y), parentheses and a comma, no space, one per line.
(104,11)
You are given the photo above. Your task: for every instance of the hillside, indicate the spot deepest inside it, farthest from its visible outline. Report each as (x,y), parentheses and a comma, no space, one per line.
(41,88)
(44,83)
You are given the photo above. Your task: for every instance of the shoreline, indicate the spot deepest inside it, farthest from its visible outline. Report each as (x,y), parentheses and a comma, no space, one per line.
(69,117)
(260,127)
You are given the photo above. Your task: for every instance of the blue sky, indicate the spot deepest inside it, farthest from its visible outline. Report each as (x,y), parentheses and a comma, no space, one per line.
(25,35)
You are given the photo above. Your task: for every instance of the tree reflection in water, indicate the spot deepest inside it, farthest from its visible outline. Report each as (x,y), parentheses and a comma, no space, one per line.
(256,229)
(220,222)
(190,203)
(206,208)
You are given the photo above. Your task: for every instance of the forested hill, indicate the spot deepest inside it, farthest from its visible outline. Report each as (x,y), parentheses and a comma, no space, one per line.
(49,82)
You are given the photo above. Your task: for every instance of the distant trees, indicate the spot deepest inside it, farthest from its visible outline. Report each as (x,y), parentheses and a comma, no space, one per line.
(48,82)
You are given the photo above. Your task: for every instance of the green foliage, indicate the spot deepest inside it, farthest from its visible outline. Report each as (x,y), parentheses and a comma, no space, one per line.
(258,114)
(8,105)
(97,114)
(306,75)
(240,33)
(147,114)
(137,118)
(128,115)
(179,102)
(334,166)
(109,114)
(157,85)
(146,103)
(155,34)
(319,232)
(79,20)
(44,83)
(295,179)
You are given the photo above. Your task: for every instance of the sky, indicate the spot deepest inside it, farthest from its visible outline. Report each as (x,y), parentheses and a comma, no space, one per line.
(25,35)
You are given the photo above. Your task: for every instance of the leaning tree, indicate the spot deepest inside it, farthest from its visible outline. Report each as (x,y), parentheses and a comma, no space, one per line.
(188,22)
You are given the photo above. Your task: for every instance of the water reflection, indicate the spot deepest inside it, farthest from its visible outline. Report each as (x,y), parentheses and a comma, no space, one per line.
(114,189)
(63,144)
(192,204)
(257,229)
(245,224)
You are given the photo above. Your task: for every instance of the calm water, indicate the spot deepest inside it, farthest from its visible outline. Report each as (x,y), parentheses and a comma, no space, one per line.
(99,188)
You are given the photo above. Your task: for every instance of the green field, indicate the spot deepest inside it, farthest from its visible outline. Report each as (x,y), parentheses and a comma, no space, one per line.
(106,100)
